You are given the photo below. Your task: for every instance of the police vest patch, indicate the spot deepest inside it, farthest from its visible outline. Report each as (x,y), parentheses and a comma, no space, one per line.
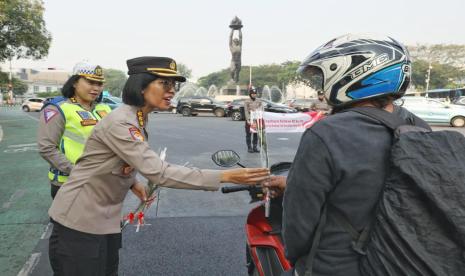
(49,114)
(87,119)
(136,134)
(102,113)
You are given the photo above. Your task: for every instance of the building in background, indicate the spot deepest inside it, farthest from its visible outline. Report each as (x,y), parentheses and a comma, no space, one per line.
(49,80)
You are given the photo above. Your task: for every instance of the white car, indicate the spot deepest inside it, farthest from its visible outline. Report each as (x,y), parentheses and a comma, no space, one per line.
(434,111)
(33,104)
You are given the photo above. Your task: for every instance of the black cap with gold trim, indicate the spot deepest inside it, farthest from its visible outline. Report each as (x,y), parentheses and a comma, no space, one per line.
(89,71)
(159,66)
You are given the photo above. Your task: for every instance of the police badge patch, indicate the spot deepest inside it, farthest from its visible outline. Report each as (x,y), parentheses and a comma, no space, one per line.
(49,114)
(136,134)
(87,119)
(102,113)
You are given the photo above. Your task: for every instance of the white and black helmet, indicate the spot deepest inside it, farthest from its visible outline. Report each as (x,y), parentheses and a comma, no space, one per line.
(352,67)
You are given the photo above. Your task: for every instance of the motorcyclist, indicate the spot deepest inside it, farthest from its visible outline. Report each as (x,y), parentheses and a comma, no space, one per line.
(341,160)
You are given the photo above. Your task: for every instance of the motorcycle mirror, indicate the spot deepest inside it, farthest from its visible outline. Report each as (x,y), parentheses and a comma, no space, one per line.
(226,158)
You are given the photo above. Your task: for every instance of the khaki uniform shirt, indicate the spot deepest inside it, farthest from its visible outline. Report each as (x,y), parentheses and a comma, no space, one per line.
(320,105)
(250,106)
(92,199)
(49,136)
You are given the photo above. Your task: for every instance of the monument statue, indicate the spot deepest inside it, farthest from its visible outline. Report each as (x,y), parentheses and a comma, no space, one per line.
(235,45)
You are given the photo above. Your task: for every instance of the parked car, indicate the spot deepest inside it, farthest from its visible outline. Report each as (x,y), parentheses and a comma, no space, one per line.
(32,104)
(236,108)
(198,104)
(111,101)
(434,111)
(302,105)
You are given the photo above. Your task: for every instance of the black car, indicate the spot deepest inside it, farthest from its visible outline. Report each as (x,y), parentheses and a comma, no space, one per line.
(236,108)
(194,105)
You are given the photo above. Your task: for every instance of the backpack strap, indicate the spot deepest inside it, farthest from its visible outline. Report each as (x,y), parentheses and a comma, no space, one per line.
(315,242)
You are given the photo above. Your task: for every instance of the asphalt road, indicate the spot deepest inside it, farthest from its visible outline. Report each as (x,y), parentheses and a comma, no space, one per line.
(192,232)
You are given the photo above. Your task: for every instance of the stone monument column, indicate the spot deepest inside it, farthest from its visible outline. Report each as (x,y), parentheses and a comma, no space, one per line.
(235,46)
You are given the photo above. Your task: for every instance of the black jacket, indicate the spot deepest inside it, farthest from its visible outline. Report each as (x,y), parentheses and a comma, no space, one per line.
(340,159)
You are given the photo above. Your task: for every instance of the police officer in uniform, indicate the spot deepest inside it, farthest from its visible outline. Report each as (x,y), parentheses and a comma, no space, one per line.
(321,104)
(66,122)
(250,105)
(86,235)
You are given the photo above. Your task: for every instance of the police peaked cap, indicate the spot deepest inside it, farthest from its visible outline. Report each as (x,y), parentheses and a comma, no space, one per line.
(159,66)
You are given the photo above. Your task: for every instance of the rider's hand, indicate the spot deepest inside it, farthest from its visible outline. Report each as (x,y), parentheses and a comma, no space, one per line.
(275,184)
(139,190)
(249,176)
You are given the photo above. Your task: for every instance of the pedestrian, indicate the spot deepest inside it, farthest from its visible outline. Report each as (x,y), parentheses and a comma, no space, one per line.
(320,104)
(251,105)
(66,122)
(341,161)
(86,235)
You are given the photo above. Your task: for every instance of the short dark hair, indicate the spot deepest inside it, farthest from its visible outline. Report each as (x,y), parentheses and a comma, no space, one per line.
(132,91)
(379,102)
(68,89)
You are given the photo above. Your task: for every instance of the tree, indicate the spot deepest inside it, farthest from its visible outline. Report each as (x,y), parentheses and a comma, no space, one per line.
(184,70)
(19,87)
(114,81)
(441,76)
(22,30)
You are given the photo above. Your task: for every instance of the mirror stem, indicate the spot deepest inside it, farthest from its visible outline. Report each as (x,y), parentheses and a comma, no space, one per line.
(240,165)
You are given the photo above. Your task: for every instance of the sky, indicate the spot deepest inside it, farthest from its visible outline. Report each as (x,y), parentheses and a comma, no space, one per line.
(196,33)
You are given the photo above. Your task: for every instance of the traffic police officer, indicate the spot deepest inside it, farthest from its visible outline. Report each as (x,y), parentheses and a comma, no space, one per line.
(321,104)
(86,235)
(250,105)
(66,122)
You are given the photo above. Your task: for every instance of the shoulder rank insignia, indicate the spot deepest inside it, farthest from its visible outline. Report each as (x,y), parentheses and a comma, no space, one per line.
(136,134)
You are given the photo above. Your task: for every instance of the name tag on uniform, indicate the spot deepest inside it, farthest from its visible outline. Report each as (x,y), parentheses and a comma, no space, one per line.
(87,119)
(102,113)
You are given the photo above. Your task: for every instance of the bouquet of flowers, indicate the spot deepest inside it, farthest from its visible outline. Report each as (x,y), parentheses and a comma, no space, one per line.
(138,213)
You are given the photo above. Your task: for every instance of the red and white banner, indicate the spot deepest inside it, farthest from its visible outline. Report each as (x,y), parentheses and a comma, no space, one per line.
(287,122)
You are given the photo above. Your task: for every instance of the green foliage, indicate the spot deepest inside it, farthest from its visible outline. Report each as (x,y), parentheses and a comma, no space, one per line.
(19,87)
(22,30)
(269,74)
(442,75)
(114,81)
(49,94)
(184,70)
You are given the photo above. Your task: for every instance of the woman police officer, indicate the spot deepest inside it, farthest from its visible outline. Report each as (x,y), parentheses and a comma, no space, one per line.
(66,122)
(87,236)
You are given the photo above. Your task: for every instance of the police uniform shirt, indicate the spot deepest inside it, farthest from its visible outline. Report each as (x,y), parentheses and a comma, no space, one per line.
(250,105)
(92,199)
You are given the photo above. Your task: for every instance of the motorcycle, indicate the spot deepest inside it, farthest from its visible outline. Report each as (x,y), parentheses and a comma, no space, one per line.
(264,246)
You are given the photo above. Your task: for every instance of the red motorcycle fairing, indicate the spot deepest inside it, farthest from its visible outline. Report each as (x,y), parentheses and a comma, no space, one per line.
(260,235)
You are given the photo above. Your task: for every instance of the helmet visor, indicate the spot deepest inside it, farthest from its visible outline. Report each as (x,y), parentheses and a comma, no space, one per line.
(313,77)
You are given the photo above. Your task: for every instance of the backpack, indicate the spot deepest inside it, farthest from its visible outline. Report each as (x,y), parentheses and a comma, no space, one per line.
(419,224)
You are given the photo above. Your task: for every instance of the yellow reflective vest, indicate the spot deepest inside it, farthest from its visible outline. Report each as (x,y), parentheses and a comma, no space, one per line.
(78,127)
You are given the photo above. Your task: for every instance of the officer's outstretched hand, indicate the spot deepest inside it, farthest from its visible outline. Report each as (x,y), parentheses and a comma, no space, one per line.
(139,190)
(275,184)
(248,176)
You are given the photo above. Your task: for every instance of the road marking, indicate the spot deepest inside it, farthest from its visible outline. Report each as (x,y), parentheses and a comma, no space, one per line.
(23,145)
(33,118)
(283,139)
(30,264)
(47,232)
(21,148)
(17,194)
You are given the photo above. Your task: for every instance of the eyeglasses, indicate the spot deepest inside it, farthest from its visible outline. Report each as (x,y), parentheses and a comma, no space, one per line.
(167,84)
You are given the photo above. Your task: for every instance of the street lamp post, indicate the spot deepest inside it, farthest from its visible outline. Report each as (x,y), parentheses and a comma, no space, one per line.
(428,76)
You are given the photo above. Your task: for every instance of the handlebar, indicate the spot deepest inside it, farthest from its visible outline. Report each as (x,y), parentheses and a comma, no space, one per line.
(233,189)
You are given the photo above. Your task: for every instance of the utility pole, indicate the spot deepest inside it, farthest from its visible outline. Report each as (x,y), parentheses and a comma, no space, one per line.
(428,76)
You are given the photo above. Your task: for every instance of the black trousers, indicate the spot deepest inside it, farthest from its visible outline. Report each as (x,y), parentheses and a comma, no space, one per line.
(250,137)
(54,190)
(74,253)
